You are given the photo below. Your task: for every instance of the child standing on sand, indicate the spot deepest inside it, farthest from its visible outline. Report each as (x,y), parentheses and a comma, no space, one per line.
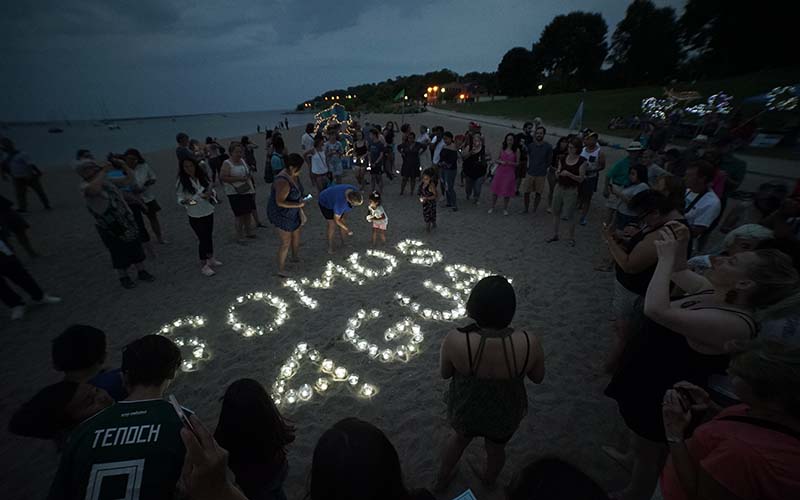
(427,196)
(377,215)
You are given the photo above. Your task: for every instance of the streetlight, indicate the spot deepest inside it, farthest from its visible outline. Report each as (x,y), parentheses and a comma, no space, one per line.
(430,89)
(540,87)
(442,90)
(461,96)
(436,88)
(405,97)
(425,95)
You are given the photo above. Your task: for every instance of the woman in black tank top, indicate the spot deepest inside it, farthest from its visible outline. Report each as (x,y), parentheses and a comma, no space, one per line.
(688,339)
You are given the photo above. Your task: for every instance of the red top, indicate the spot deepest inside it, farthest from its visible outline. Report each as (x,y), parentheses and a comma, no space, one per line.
(750,461)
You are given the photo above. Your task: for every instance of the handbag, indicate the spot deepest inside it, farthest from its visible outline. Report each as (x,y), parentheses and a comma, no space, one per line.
(242,188)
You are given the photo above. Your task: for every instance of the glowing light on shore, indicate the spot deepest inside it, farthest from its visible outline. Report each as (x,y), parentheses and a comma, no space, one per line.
(248,330)
(419,255)
(410,332)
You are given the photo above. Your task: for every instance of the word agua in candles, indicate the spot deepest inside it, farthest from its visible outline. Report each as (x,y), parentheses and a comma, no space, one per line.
(418,254)
(330,375)
(248,330)
(405,328)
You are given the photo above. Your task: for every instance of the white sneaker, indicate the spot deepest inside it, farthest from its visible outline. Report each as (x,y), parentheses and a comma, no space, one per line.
(214,262)
(490,210)
(505,212)
(207,271)
(17,313)
(49,299)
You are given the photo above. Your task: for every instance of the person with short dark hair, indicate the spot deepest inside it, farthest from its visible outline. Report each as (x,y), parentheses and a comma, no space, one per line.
(285,210)
(183,150)
(487,363)
(354,460)
(80,353)
(18,165)
(475,166)
(540,156)
(334,203)
(134,445)
(378,217)
(255,435)
(144,179)
(58,409)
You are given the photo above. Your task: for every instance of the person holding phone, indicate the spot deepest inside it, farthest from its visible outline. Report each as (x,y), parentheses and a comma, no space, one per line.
(196,194)
(285,210)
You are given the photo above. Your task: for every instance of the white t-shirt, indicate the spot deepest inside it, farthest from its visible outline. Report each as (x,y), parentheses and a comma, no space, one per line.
(591,158)
(318,164)
(238,170)
(306,142)
(200,207)
(378,212)
(437,151)
(705,211)
(143,173)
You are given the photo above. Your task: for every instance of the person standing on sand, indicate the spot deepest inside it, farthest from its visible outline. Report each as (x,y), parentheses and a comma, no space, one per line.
(428,194)
(410,151)
(285,210)
(595,162)
(475,165)
(377,158)
(307,141)
(11,269)
(333,156)
(145,178)
(540,156)
(24,174)
(183,150)
(487,363)
(552,181)
(504,182)
(113,220)
(239,188)
(334,203)
(571,172)
(196,194)
(448,169)
(319,164)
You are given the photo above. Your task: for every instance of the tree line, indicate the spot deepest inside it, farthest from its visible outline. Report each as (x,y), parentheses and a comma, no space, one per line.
(650,45)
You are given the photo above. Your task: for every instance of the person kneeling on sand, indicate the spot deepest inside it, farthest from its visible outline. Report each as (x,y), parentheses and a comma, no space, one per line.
(334,203)
(487,363)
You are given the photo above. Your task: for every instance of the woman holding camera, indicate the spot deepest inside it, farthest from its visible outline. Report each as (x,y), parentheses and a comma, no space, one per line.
(197,195)
(749,450)
(686,339)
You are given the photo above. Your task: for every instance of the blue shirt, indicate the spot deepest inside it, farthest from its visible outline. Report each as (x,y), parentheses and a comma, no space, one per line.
(333,198)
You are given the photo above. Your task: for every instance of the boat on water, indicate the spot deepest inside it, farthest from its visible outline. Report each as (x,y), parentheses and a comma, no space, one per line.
(55,130)
(113,126)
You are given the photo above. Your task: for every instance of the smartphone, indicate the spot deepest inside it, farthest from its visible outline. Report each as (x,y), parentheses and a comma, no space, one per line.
(181,414)
(308,197)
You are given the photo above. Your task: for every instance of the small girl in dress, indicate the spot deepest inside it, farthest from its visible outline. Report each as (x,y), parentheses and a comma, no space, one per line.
(427,196)
(377,215)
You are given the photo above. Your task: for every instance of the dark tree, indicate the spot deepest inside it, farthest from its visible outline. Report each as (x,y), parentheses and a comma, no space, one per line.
(517,74)
(738,36)
(646,45)
(572,48)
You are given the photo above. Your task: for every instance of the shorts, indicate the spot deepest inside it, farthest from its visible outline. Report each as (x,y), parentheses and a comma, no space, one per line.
(533,184)
(242,204)
(589,186)
(379,225)
(326,212)
(565,201)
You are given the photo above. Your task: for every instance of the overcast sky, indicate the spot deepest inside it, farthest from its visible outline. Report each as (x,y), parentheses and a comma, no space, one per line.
(159,57)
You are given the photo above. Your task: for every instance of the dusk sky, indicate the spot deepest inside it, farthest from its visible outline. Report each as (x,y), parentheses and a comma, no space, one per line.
(160,57)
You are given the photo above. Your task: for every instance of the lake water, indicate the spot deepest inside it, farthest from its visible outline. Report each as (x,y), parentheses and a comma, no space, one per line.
(145,134)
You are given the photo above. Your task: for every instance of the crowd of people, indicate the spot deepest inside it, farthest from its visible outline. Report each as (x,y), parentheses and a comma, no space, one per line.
(704,363)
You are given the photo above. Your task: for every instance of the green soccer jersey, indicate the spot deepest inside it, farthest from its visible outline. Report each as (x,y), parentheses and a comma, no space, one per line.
(129,451)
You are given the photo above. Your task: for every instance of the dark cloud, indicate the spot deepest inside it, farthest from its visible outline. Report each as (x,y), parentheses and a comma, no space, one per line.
(155,56)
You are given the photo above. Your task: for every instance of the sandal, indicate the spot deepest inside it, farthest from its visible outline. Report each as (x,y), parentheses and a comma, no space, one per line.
(550,240)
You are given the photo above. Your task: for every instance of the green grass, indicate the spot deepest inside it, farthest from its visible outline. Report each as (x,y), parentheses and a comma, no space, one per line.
(602,105)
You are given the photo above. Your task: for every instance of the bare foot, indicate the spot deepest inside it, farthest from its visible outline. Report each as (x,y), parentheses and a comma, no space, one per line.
(294,258)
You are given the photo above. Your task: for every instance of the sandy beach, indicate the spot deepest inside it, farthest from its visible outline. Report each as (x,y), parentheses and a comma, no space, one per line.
(560,298)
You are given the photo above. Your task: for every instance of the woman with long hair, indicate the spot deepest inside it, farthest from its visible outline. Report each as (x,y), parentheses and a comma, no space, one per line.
(475,164)
(235,175)
(285,210)
(145,178)
(354,460)
(558,152)
(570,174)
(255,435)
(196,194)
(688,338)
(505,177)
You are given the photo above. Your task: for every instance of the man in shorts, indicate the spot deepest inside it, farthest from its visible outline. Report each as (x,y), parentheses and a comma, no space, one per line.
(540,156)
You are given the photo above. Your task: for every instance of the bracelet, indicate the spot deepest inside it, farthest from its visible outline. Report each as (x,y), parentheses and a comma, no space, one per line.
(674,440)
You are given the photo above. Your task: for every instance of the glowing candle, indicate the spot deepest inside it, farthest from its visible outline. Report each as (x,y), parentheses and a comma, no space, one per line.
(291,396)
(352,379)
(321,384)
(367,391)
(340,373)
(305,392)
(327,366)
